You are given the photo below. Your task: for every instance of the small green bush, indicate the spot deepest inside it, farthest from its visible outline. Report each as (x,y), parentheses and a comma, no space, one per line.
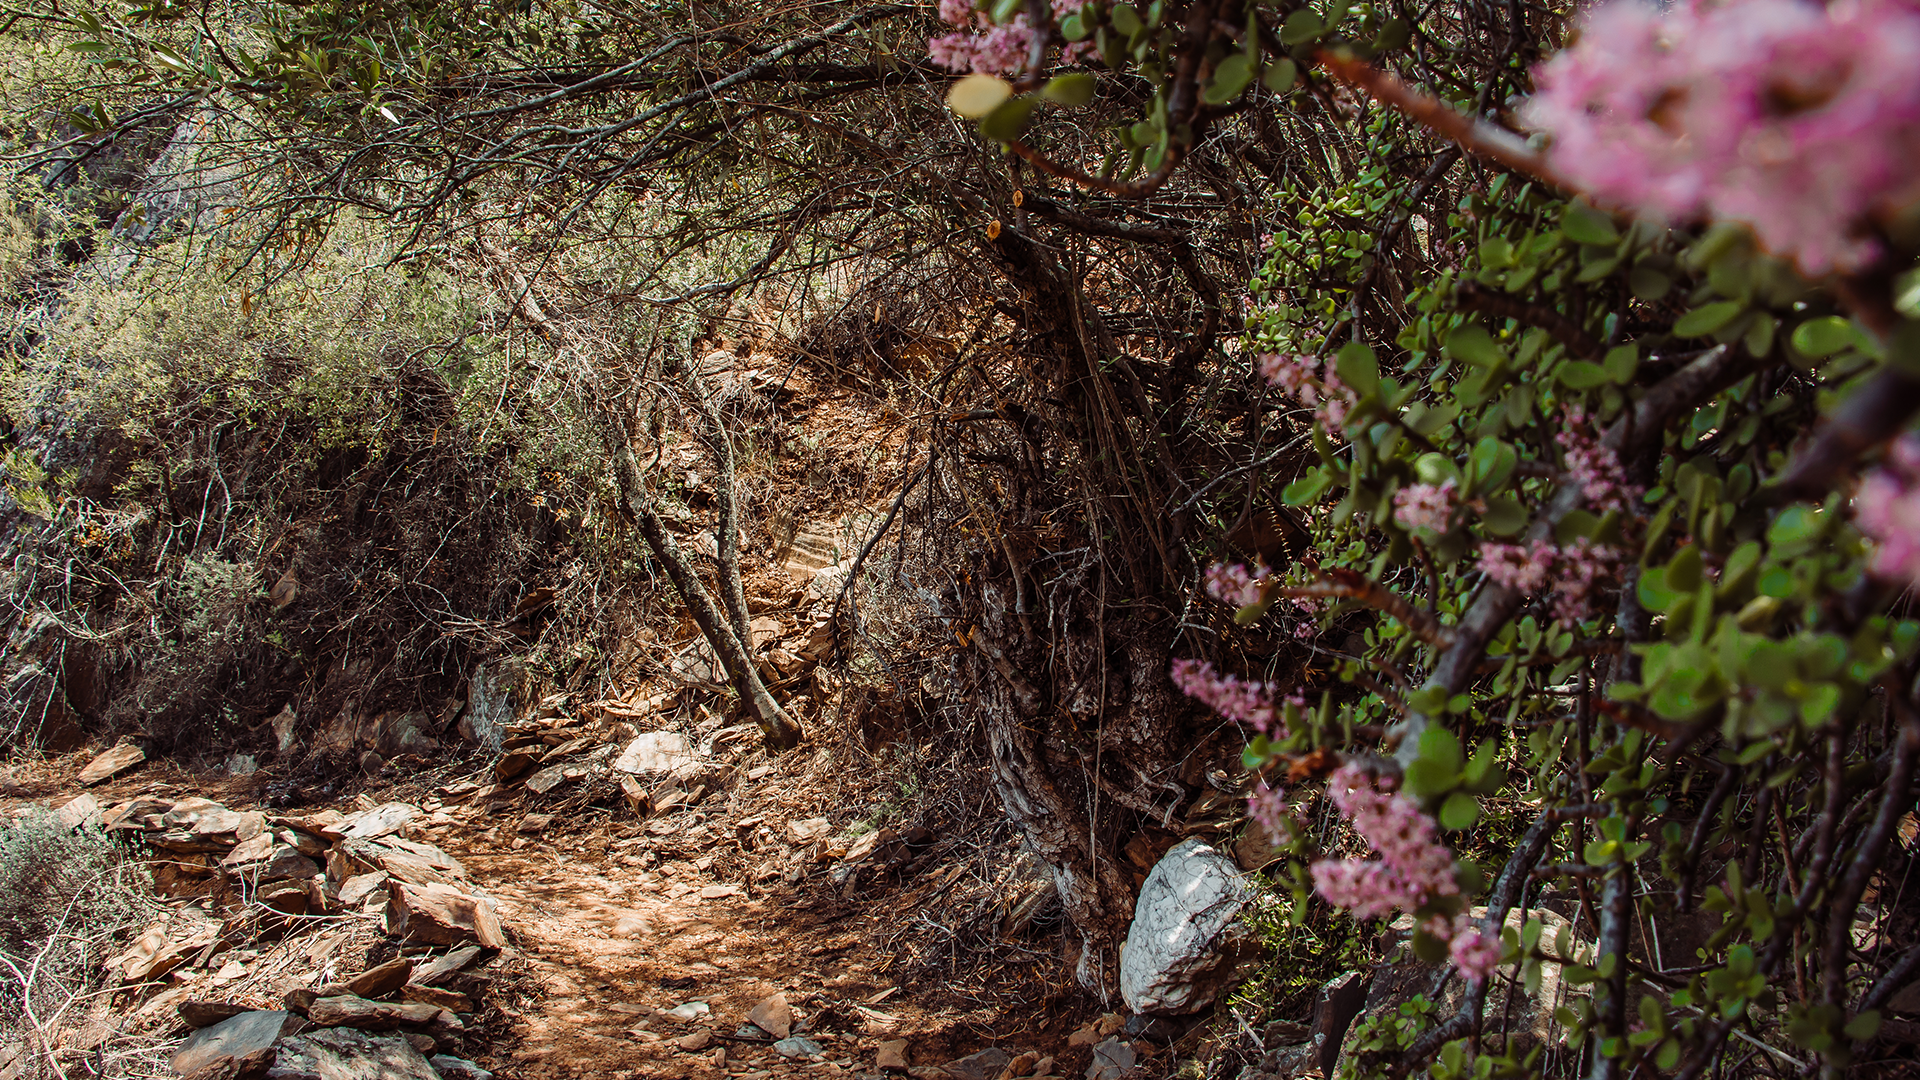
(68,900)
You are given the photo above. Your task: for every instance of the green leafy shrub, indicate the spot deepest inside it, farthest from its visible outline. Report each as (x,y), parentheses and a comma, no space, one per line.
(69,899)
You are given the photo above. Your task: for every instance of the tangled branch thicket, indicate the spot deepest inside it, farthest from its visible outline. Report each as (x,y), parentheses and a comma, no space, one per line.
(1524,564)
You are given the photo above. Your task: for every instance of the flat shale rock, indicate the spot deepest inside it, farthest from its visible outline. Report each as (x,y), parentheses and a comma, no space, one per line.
(1112,1060)
(343,1054)
(773,1015)
(438,998)
(657,753)
(347,1010)
(248,855)
(985,1065)
(325,824)
(82,809)
(435,972)
(230,826)
(892,1054)
(112,764)
(360,886)
(442,915)
(515,764)
(234,1037)
(405,860)
(379,982)
(453,1068)
(379,821)
(202,1014)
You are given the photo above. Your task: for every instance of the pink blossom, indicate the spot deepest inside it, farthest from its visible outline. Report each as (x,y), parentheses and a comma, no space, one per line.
(1474,952)
(956,12)
(1333,410)
(1311,382)
(1517,567)
(1572,571)
(952,51)
(1413,870)
(1594,467)
(1887,509)
(1413,867)
(1236,585)
(999,50)
(1425,506)
(1003,50)
(1268,808)
(1578,567)
(1801,120)
(1310,611)
(1294,374)
(1243,701)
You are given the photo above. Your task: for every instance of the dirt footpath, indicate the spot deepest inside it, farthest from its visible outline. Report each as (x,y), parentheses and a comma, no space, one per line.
(643,944)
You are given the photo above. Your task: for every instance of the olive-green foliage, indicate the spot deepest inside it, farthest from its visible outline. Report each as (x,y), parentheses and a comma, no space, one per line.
(184,336)
(1303,948)
(227,407)
(68,898)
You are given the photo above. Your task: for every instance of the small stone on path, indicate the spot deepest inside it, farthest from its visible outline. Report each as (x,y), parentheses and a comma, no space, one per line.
(773,1015)
(988,1064)
(797,1047)
(718,892)
(689,1012)
(699,1040)
(891,1054)
(1111,1060)
(453,1068)
(112,763)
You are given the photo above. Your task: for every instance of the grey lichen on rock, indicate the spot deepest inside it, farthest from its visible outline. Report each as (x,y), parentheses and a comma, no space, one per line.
(1186,939)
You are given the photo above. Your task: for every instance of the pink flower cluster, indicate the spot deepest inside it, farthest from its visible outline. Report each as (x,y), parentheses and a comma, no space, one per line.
(1268,808)
(1887,508)
(1518,567)
(985,49)
(1413,869)
(1426,506)
(1800,119)
(1581,567)
(1236,585)
(1310,609)
(1312,383)
(1594,467)
(1574,571)
(1243,701)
